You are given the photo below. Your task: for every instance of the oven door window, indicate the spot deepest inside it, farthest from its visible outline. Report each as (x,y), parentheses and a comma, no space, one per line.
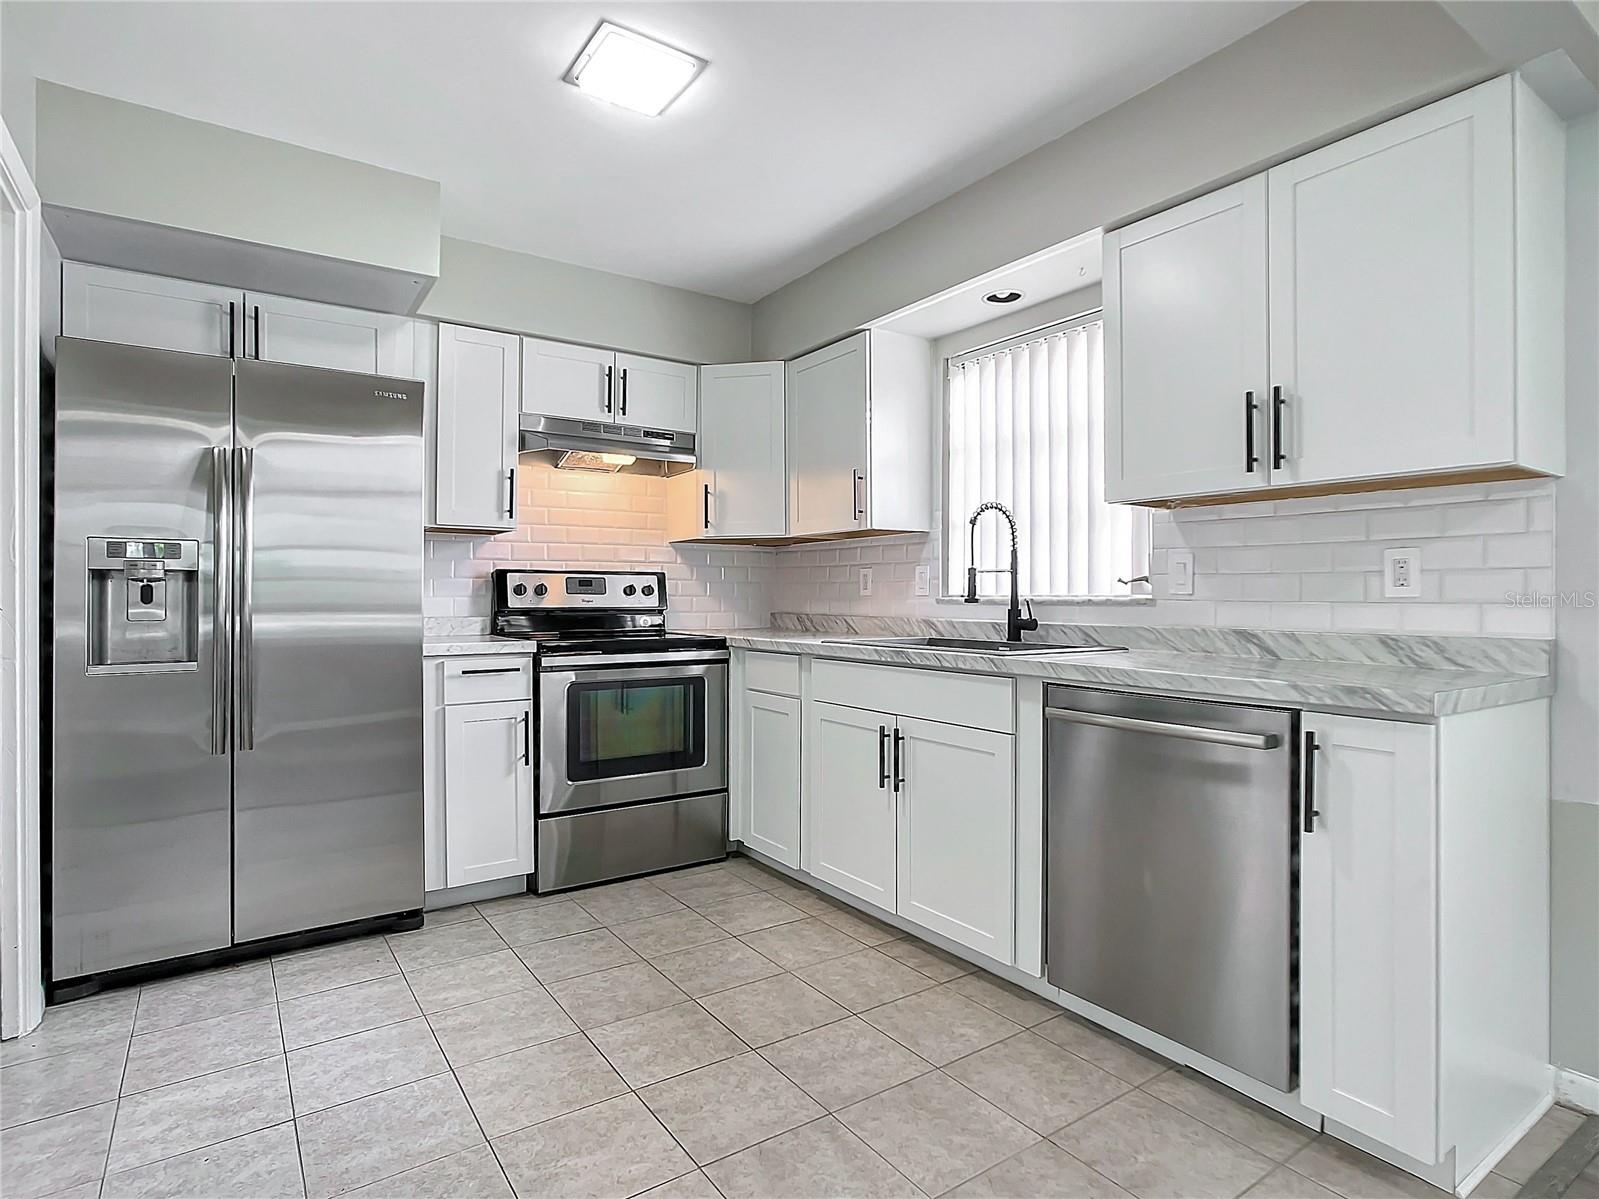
(637,726)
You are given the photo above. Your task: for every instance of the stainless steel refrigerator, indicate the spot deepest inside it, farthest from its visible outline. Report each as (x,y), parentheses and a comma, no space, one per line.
(236,703)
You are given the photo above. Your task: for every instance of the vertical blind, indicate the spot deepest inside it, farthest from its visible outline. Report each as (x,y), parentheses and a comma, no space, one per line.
(1026,428)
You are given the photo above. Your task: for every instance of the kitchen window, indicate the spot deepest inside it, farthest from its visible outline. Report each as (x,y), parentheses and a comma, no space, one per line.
(1025,426)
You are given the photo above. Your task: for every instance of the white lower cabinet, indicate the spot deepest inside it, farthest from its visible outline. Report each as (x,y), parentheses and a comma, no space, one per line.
(488,780)
(957,833)
(1368,932)
(478,768)
(771,775)
(850,837)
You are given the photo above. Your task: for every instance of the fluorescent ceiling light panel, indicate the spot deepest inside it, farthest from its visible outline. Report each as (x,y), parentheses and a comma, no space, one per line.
(633,71)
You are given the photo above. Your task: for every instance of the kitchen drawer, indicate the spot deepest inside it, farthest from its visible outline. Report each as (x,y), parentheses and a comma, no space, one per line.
(979,701)
(777,673)
(487,679)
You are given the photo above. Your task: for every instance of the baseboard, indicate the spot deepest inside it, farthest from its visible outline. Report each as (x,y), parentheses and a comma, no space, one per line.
(1511,1139)
(1577,1090)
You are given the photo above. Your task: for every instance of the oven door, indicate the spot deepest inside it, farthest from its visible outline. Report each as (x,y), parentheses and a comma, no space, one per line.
(620,735)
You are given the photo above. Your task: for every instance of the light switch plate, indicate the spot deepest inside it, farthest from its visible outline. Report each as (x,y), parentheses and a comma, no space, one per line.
(1401,573)
(866,580)
(1180,572)
(924,579)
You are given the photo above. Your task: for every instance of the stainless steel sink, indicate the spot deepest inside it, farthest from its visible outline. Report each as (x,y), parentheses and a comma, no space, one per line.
(973,645)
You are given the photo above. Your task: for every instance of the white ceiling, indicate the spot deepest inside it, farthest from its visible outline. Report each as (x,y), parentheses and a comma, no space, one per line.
(816,125)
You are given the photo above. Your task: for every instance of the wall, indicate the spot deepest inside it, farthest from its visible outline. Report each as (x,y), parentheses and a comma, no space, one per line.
(1319,71)
(502,289)
(575,520)
(1575,986)
(124,160)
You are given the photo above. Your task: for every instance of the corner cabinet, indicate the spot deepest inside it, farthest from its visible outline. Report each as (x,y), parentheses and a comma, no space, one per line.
(739,490)
(1387,310)
(587,383)
(475,430)
(859,431)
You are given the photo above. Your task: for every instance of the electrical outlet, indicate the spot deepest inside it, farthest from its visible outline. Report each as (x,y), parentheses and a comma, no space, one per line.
(1180,572)
(924,579)
(1401,573)
(866,580)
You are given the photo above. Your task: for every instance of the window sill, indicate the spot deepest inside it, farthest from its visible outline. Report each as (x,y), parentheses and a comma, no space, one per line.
(1057,600)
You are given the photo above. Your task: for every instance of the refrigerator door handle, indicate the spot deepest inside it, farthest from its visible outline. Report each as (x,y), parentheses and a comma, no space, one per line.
(245,718)
(221,617)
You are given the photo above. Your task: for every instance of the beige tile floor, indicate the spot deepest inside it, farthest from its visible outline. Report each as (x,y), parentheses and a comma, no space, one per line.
(719,1031)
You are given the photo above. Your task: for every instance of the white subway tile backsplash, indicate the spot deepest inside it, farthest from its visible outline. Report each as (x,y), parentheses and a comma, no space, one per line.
(1500,516)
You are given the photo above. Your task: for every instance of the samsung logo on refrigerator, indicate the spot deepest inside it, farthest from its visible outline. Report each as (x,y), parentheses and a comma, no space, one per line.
(390,395)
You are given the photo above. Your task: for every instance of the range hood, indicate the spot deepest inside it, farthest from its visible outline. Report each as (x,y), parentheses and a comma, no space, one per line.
(559,433)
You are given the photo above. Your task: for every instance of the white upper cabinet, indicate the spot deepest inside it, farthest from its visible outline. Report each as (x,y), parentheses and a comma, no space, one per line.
(657,394)
(1410,326)
(1185,348)
(101,304)
(566,380)
(859,424)
(475,429)
(1368,939)
(740,490)
(585,383)
(343,339)
(1394,279)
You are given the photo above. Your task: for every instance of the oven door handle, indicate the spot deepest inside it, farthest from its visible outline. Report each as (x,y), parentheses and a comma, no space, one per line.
(696,660)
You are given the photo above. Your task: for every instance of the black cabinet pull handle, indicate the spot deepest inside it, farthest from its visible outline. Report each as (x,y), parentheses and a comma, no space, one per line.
(527,739)
(882,757)
(1251,459)
(510,499)
(899,766)
(257,311)
(491,670)
(624,391)
(707,507)
(232,330)
(1311,812)
(1279,456)
(609,400)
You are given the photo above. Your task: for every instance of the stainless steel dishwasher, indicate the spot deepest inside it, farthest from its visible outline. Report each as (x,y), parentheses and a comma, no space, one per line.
(1172,870)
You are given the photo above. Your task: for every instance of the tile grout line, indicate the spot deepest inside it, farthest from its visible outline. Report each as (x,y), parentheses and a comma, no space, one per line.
(288,1076)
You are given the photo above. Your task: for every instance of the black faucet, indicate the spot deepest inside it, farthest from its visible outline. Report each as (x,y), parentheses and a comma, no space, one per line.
(1015,622)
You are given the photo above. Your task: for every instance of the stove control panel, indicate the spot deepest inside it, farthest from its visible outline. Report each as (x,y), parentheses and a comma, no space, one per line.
(614,590)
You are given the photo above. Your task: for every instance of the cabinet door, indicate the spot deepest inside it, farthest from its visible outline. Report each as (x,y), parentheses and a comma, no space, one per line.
(565,380)
(771,764)
(741,450)
(1392,295)
(488,792)
(657,393)
(826,420)
(1368,941)
(1185,349)
(957,833)
(849,836)
(101,304)
(325,335)
(480,381)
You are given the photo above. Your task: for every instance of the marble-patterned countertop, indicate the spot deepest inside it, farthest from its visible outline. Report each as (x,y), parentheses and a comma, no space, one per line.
(461,644)
(1403,691)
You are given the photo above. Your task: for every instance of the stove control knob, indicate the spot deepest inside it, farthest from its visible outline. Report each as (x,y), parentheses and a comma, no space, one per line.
(649,588)
(541,589)
(519,589)
(629,589)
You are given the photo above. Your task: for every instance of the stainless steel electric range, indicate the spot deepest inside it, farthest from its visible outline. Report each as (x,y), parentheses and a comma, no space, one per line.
(632,719)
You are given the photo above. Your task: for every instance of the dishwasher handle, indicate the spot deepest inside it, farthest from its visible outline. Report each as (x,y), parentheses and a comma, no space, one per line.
(1161,728)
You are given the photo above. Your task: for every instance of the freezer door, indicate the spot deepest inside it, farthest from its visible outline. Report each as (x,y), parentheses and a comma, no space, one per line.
(139,826)
(328,722)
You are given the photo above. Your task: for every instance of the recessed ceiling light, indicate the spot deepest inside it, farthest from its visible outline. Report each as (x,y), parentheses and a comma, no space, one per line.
(1002,297)
(632,70)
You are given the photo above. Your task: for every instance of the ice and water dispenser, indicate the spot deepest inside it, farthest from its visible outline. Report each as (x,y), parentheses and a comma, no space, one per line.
(144,605)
